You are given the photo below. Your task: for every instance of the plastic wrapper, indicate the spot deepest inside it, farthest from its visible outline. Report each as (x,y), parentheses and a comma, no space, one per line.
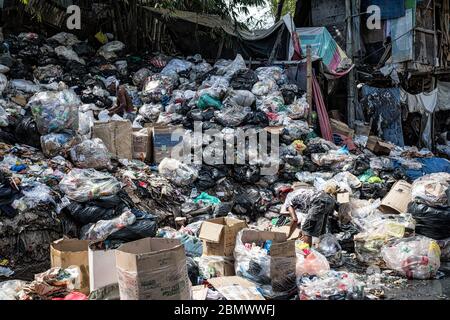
(87,184)
(104,228)
(432,222)
(91,154)
(111,49)
(69,54)
(55,111)
(415,258)
(332,285)
(215,266)
(177,172)
(432,189)
(176,66)
(9,290)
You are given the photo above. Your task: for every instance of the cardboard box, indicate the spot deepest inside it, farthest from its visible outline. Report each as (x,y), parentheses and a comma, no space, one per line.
(217,266)
(292,231)
(164,140)
(72,252)
(219,235)
(152,269)
(362,129)
(341,128)
(199,292)
(142,144)
(102,268)
(117,137)
(379,147)
(236,288)
(398,198)
(282,255)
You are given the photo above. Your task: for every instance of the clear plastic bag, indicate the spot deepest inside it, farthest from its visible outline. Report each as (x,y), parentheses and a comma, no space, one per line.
(55,111)
(65,39)
(263,88)
(110,50)
(177,172)
(176,66)
(192,244)
(230,69)
(309,261)
(3,83)
(242,98)
(87,184)
(54,144)
(140,76)
(298,109)
(104,228)
(69,54)
(9,290)
(91,154)
(157,86)
(272,73)
(34,195)
(24,85)
(331,249)
(432,189)
(231,115)
(416,257)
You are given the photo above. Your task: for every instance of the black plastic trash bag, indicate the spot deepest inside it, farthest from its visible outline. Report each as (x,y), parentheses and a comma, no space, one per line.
(145,226)
(432,222)
(26,132)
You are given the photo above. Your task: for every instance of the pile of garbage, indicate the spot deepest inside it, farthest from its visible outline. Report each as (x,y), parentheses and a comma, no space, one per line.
(86,153)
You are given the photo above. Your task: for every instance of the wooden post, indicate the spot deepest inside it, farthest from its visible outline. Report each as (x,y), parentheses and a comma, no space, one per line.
(351,74)
(309,82)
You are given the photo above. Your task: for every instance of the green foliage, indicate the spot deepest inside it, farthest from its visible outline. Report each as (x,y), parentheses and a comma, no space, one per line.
(289,7)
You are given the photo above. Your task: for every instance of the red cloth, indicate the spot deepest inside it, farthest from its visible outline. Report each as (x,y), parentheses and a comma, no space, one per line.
(73,296)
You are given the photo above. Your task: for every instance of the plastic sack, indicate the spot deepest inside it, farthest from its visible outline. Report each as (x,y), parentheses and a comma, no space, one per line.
(24,85)
(416,257)
(111,49)
(232,115)
(432,222)
(54,144)
(229,70)
(69,54)
(176,66)
(55,111)
(192,244)
(242,98)
(215,266)
(206,101)
(157,86)
(3,83)
(91,154)
(432,189)
(331,249)
(65,39)
(9,290)
(177,172)
(215,86)
(104,228)
(298,109)
(272,73)
(48,73)
(140,76)
(263,88)
(34,195)
(309,261)
(145,226)
(87,184)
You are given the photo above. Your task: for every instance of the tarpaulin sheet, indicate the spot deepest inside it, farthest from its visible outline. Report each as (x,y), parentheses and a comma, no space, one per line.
(429,165)
(401,31)
(443,102)
(389,9)
(324,47)
(383,104)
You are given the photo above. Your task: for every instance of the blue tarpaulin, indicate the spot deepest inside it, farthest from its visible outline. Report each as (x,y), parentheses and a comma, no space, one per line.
(390,9)
(429,165)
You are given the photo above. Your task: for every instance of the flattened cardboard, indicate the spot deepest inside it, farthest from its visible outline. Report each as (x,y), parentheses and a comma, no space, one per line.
(236,288)
(219,236)
(343,198)
(117,137)
(341,128)
(398,198)
(102,268)
(72,252)
(163,143)
(379,147)
(152,269)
